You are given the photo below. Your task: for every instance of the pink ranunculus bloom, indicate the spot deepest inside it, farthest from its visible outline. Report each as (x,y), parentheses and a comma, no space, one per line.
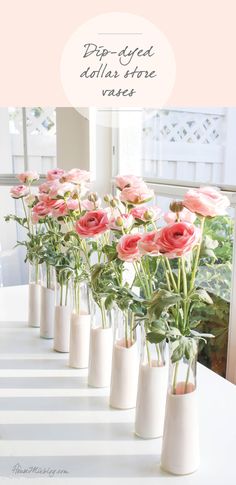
(138,193)
(92,223)
(72,204)
(59,208)
(30,200)
(123,181)
(60,189)
(146,213)
(41,209)
(55,174)
(88,205)
(148,244)
(46,187)
(28,177)
(122,221)
(127,247)
(19,191)
(76,176)
(206,201)
(184,215)
(177,239)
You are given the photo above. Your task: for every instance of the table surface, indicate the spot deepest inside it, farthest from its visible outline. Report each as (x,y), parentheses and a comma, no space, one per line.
(50,419)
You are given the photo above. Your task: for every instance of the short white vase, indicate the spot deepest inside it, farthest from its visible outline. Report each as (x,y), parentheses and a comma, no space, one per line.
(100,356)
(79,340)
(124,376)
(34,305)
(47,313)
(151,400)
(180,447)
(62,328)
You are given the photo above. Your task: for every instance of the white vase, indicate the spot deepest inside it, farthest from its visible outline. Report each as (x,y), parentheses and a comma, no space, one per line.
(151,400)
(34,305)
(124,376)
(79,340)
(62,328)
(47,313)
(180,447)
(100,356)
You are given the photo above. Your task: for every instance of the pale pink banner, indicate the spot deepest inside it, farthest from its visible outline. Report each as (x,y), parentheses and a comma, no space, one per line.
(33,35)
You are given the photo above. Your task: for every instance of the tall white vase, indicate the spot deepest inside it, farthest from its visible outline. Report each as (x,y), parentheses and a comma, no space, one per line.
(79,340)
(180,447)
(124,376)
(62,328)
(47,313)
(100,356)
(34,305)
(151,400)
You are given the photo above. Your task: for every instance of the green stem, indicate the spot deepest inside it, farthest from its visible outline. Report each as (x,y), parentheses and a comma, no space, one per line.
(187,377)
(159,357)
(103,313)
(148,354)
(171,275)
(192,281)
(185,290)
(174,385)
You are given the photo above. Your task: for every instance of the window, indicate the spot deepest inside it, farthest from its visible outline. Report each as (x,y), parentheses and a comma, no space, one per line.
(27,142)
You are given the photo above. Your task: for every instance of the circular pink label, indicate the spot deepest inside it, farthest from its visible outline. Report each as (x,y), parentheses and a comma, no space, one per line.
(118,60)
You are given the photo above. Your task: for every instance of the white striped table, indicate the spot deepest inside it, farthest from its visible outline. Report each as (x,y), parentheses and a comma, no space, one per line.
(53,425)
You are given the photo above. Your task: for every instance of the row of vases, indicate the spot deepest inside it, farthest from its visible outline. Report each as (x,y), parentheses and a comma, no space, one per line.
(106,343)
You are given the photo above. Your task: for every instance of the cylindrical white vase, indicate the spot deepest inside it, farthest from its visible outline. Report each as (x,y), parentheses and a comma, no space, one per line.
(151,400)
(79,340)
(34,305)
(47,313)
(62,328)
(124,376)
(100,356)
(180,447)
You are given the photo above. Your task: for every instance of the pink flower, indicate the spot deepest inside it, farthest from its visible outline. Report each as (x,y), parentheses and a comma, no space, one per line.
(148,244)
(138,193)
(19,191)
(27,177)
(58,208)
(92,223)
(146,213)
(206,201)
(177,239)
(122,221)
(76,176)
(30,200)
(72,204)
(46,187)
(55,174)
(40,210)
(184,215)
(127,247)
(61,189)
(123,181)
(89,205)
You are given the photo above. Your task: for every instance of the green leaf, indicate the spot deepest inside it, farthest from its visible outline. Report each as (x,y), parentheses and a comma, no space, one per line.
(178,352)
(155,338)
(202,295)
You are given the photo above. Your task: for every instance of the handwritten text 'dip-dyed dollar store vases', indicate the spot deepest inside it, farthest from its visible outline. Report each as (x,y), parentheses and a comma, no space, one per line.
(80,325)
(180,447)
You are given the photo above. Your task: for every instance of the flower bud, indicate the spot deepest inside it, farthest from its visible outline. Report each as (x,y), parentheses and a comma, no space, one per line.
(119,221)
(107,198)
(148,215)
(114,202)
(176,206)
(93,197)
